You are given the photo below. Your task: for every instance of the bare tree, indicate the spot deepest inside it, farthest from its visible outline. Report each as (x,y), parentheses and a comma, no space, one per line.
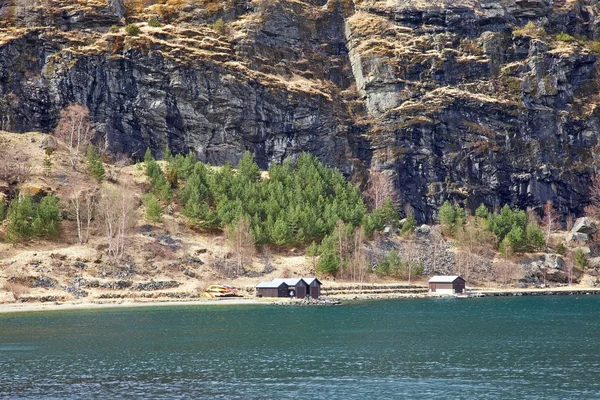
(341,237)
(14,166)
(83,206)
(380,186)
(550,215)
(242,242)
(506,272)
(75,130)
(358,259)
(475,244)
(410,258)
(117,212)
(569,265)
(438,243)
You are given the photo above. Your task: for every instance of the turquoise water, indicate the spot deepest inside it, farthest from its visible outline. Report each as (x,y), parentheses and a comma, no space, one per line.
(508,348)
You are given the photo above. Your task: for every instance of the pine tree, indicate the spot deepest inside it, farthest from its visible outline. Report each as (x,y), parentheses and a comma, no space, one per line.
(153,208)
(20,219)
(48,217)
(95,167)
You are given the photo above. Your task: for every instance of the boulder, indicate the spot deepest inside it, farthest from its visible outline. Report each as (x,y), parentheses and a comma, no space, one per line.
(554,261)
(576,236)
(423,230)
(584,225)
(586,250)
(48,142)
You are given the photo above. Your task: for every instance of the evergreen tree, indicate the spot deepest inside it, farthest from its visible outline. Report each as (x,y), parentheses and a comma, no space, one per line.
(148,155)
(48,217)
(409,225)
(247,169)
(21,214)
(168,156)
(27,219)
(159,184)
(95,167)
(153,208)
(580,259)
(3,210)
(447,217)
(482,211)
(329,261)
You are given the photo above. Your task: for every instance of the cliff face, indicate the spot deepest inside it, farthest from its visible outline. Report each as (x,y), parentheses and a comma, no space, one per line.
(469,100)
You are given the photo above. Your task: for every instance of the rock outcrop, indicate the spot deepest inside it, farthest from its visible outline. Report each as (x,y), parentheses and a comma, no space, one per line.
(468,100)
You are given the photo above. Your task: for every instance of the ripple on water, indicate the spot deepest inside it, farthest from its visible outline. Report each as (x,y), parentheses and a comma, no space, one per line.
(488,349)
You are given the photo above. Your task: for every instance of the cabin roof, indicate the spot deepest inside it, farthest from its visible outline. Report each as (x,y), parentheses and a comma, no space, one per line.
(270,285)
(288,281)
(276,283)
(310,280)
(444,279)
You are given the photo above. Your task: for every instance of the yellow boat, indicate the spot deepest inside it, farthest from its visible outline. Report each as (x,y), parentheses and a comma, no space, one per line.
(215,291)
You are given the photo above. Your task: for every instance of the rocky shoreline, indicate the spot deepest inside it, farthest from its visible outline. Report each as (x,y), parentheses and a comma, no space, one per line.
(148,302)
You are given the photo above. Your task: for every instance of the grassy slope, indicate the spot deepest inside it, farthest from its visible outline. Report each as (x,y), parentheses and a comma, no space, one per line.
(150,251)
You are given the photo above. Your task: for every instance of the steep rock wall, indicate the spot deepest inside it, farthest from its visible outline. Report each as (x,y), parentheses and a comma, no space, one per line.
(468,100)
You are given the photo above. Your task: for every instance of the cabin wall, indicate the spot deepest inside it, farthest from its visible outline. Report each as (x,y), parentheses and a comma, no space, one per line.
(441,288)
(315,290)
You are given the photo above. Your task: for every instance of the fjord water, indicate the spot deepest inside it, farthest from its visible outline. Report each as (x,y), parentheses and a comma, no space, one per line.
(527,347)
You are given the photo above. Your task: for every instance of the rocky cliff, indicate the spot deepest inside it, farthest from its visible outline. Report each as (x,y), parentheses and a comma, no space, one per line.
(469,100)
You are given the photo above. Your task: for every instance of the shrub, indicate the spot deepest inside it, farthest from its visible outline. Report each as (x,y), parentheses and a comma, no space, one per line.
(114,29)
(580,259)
(529,30)
(593,46)
(564,37)
(561,249)
(153,22)
(219,26)
(132,30)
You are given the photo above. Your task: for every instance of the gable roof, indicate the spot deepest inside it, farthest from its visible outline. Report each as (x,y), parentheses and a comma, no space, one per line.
(270,285)
(311,280)
(444,278)
(288,281)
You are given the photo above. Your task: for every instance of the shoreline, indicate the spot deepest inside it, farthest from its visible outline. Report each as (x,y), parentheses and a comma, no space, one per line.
(9,308)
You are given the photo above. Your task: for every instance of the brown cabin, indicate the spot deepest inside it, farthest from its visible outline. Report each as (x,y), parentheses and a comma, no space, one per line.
(314,287)
(300,287)
(447,285)
(271,289)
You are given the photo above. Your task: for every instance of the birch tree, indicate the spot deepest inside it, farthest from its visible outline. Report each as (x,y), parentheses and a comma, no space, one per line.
(550,215)
(75,130)
(380,187)
(117,212)
(83,206)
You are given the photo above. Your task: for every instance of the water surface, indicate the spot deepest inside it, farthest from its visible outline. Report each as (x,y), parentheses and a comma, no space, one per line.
(507,348)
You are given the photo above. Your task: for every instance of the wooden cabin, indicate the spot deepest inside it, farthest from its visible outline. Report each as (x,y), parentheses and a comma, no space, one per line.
(300,287)
(272,289)
(296,287)
(447,285)
(314,287)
